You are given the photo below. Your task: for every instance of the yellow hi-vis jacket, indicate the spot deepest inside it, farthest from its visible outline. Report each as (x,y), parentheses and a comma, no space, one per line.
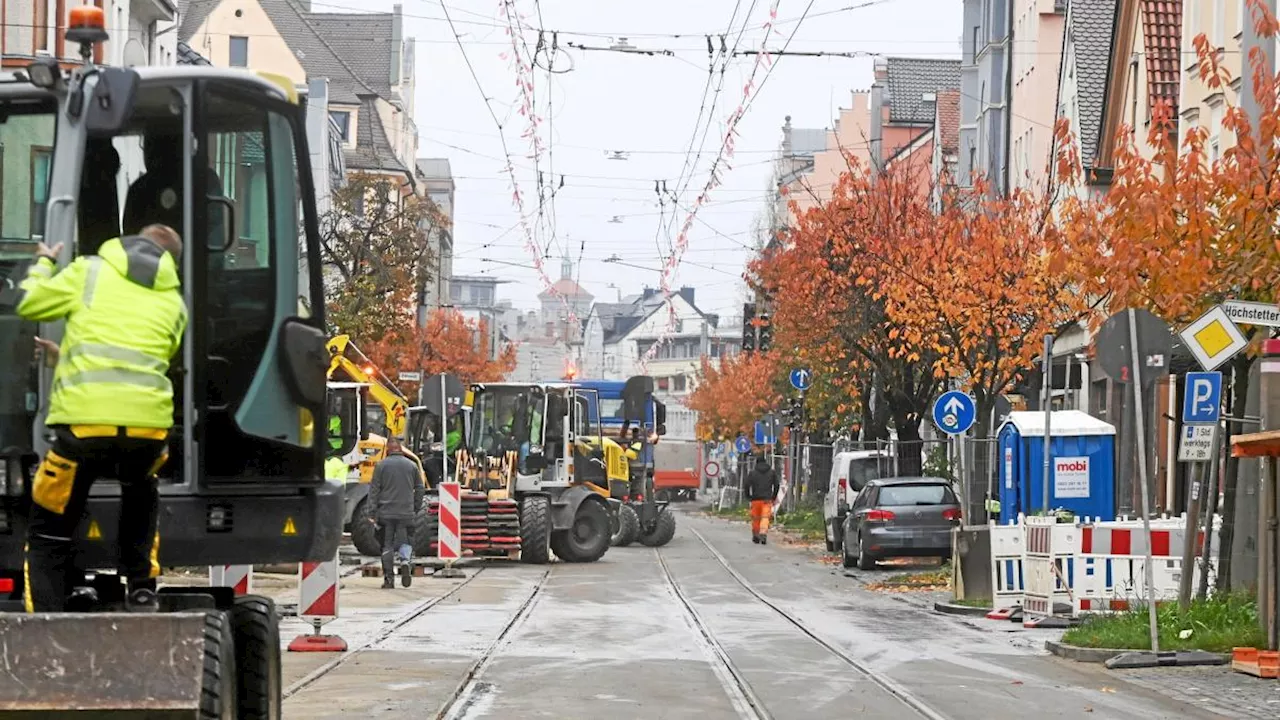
(125,319)
(335,468)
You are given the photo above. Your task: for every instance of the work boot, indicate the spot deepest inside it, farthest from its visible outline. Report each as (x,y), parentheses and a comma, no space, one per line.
(388,572)
(764,539)
(143,600)
(406,574)
(755,538)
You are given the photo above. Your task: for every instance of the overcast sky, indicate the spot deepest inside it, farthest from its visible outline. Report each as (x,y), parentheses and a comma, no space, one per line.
(644,105)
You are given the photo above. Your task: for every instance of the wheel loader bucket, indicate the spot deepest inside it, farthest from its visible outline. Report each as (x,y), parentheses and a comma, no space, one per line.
(117,665)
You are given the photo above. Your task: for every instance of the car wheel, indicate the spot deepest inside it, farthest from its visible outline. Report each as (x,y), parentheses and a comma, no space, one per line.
(865,561)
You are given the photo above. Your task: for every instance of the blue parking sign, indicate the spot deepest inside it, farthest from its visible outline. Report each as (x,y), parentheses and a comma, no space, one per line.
(1202,399)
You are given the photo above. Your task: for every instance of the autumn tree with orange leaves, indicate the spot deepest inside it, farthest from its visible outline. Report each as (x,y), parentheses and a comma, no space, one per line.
(980,287)
(1179,233)
(449,343)
(829,320)
(733,392)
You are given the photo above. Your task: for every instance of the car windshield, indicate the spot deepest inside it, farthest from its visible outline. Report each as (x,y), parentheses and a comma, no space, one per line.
(921,494)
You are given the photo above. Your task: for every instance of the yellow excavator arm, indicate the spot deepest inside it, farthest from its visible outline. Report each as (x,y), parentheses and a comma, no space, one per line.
(345,356)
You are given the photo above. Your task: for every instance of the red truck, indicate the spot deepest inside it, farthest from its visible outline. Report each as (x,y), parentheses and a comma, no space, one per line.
(677,469)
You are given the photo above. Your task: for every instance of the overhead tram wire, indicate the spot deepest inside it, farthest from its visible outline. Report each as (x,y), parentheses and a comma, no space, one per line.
(510,163)
(752,92)
(690,164)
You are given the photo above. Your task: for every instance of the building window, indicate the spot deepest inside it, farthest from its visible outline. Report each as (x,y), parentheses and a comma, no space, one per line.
(678,383)
(41,26)
(239,52)
(664,384)
(343,120)
(455,293)
(41,158)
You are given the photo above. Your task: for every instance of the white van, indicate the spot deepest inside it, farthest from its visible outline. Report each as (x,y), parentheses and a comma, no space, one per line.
(850,471)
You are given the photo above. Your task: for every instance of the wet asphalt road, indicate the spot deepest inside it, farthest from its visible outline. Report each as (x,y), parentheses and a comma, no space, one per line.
(675,634)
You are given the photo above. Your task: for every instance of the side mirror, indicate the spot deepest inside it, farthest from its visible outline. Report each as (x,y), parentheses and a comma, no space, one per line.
(222,224)
(662,429)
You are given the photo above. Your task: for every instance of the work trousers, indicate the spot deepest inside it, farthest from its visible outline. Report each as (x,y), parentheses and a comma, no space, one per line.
(395,541)
(761,511)
(79,456)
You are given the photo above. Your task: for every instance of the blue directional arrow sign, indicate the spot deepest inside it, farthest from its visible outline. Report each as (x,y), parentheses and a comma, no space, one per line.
(742,445)
(801,379)
(1202,401)
(954,412)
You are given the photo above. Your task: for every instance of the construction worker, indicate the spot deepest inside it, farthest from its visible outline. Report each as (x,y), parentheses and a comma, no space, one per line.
(395,494)
(762,489)
(111,407)
(335,468)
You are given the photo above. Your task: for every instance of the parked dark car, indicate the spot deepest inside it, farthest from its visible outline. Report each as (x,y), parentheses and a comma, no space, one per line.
(900,517)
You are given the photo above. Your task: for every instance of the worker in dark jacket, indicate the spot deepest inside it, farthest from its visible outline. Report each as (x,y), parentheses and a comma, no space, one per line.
(395,494)
(762,488)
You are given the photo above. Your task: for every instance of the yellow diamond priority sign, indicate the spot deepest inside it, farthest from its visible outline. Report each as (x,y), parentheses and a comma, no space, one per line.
(1213,338)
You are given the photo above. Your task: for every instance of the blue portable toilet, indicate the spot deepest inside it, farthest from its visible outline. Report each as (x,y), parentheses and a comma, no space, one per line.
(1082,478)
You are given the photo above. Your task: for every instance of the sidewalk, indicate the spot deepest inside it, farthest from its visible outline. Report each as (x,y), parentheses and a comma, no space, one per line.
(1216,689)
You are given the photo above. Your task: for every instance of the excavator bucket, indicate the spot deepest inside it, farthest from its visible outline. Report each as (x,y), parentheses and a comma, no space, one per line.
(118,665)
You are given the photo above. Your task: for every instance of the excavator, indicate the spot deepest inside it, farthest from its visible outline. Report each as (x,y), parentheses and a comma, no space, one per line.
(364,411)
(244,482)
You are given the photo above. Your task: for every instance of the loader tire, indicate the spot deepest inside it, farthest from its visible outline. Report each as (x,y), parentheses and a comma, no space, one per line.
(426,530)
(664,528)
(364,535)
(256,630)
(218,685)
(588,539)
(628,527)
(535,530)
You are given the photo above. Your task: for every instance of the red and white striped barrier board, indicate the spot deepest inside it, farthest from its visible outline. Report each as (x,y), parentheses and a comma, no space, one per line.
(1131,541)
(318,590)
(237,577)
(318,603)
(450,545)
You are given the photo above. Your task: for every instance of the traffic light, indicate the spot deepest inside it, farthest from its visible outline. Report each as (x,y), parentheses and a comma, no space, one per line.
(748,327)
(766,332)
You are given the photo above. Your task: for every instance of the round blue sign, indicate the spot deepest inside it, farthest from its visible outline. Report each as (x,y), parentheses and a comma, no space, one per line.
(742,445)
(954,412)
(801,379)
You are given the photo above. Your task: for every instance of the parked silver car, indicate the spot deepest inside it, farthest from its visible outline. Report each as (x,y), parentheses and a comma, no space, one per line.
(900,517)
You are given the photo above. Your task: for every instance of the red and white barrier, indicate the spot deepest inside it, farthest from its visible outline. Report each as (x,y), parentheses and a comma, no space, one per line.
(237,577)
(449,548)
(1093,566)
(1047,562)
(318,602)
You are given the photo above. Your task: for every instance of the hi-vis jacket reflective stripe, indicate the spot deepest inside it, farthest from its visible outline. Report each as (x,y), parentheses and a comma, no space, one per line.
(125,319)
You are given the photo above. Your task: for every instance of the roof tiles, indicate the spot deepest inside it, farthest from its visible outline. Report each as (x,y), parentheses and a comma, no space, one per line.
(1162,36)
(1090,28)
(910,79)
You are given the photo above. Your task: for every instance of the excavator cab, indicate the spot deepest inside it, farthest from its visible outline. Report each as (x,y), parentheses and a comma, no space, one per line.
(244,482)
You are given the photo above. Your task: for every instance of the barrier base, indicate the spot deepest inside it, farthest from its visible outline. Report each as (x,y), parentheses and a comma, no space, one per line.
(1258,663)
(318,643)
(1046,623)
(1012,614)
(449,572)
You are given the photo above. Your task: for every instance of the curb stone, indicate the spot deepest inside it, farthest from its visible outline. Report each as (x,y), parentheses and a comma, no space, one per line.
(1104,655)
(955,609)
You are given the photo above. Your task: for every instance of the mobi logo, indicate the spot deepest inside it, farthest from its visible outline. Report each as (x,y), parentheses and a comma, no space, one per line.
(1072,466)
